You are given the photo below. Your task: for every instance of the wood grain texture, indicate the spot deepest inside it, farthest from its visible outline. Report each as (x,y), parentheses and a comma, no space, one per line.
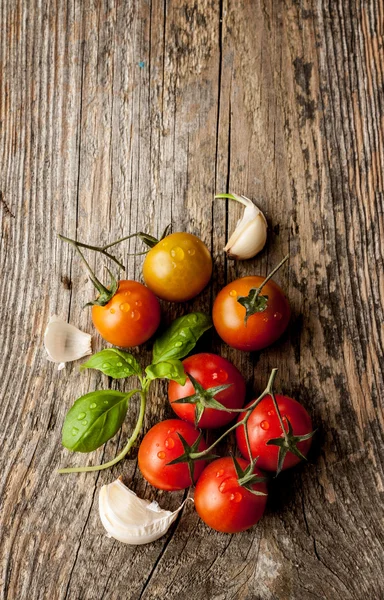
(118,116)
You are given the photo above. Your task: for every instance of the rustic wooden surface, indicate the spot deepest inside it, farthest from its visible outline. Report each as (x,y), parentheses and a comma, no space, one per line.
(117,116)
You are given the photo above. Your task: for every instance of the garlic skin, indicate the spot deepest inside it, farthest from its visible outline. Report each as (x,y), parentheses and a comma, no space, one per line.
(64,342)
(130,519)
(250,234)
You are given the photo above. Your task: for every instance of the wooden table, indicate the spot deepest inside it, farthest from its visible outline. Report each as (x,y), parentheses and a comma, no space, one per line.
(119,116)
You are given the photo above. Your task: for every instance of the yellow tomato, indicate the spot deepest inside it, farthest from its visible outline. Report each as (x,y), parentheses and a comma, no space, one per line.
(178,267)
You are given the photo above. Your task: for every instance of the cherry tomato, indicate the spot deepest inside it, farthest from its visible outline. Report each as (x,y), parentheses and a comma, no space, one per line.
(209,370)
(262,328)
(160,446)
(223,503)
(264,425)
(130,318)
(178,267)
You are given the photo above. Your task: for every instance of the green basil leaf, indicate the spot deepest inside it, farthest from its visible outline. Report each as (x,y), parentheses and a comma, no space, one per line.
(181,337)
(94,419)
(114,363)
(168,369)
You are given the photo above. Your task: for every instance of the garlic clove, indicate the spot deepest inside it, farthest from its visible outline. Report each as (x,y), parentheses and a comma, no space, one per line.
(130,519)
(64,342)
(250,234)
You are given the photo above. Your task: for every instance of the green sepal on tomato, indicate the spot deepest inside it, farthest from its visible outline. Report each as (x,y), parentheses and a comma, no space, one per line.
(223,502)
(165,443)
(276,450)
(213,387)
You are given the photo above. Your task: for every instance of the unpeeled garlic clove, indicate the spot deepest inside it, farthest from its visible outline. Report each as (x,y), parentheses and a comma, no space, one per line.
(250,234)
(130,519)
(64,342)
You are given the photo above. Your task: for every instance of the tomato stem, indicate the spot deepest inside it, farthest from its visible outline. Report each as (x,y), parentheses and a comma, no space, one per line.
(267,392)
(126,449)
(100,249)
(105,294)
(148,239)
(255,302)
(271,274)
(279,415)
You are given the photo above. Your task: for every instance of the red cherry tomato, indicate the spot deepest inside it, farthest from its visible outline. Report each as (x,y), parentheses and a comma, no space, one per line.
(210,370)
(130,318)
(160,446)
(223,503)
(262,328)
(264,425)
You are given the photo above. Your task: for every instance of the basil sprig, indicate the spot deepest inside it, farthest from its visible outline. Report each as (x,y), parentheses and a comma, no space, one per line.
(114,363)
(97,416)
(94,419)
(181,337)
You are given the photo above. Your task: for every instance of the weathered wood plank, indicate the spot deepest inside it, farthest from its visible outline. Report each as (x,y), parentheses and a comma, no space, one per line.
(118,116)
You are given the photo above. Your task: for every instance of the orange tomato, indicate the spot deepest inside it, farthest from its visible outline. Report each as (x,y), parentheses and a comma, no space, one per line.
(178,267)
(262,328)
(130,318)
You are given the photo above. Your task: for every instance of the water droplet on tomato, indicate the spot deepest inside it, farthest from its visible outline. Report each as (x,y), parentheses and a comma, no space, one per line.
(127,293)
(169,443)
(264,425)
(74,430)
(80,416)
(112,311)
(233,293)
(265,319)
(228,484)
(220,376)
(161,454)
(236,497)
(171,430)
(270,413)
(138,303)
(135,315)
(220,472)
(177,253)
(178,344)
(125,307)
(277,316)
(191,251)
(93,405)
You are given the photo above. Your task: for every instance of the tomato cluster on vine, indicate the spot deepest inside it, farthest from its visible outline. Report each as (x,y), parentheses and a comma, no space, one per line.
(230,493)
